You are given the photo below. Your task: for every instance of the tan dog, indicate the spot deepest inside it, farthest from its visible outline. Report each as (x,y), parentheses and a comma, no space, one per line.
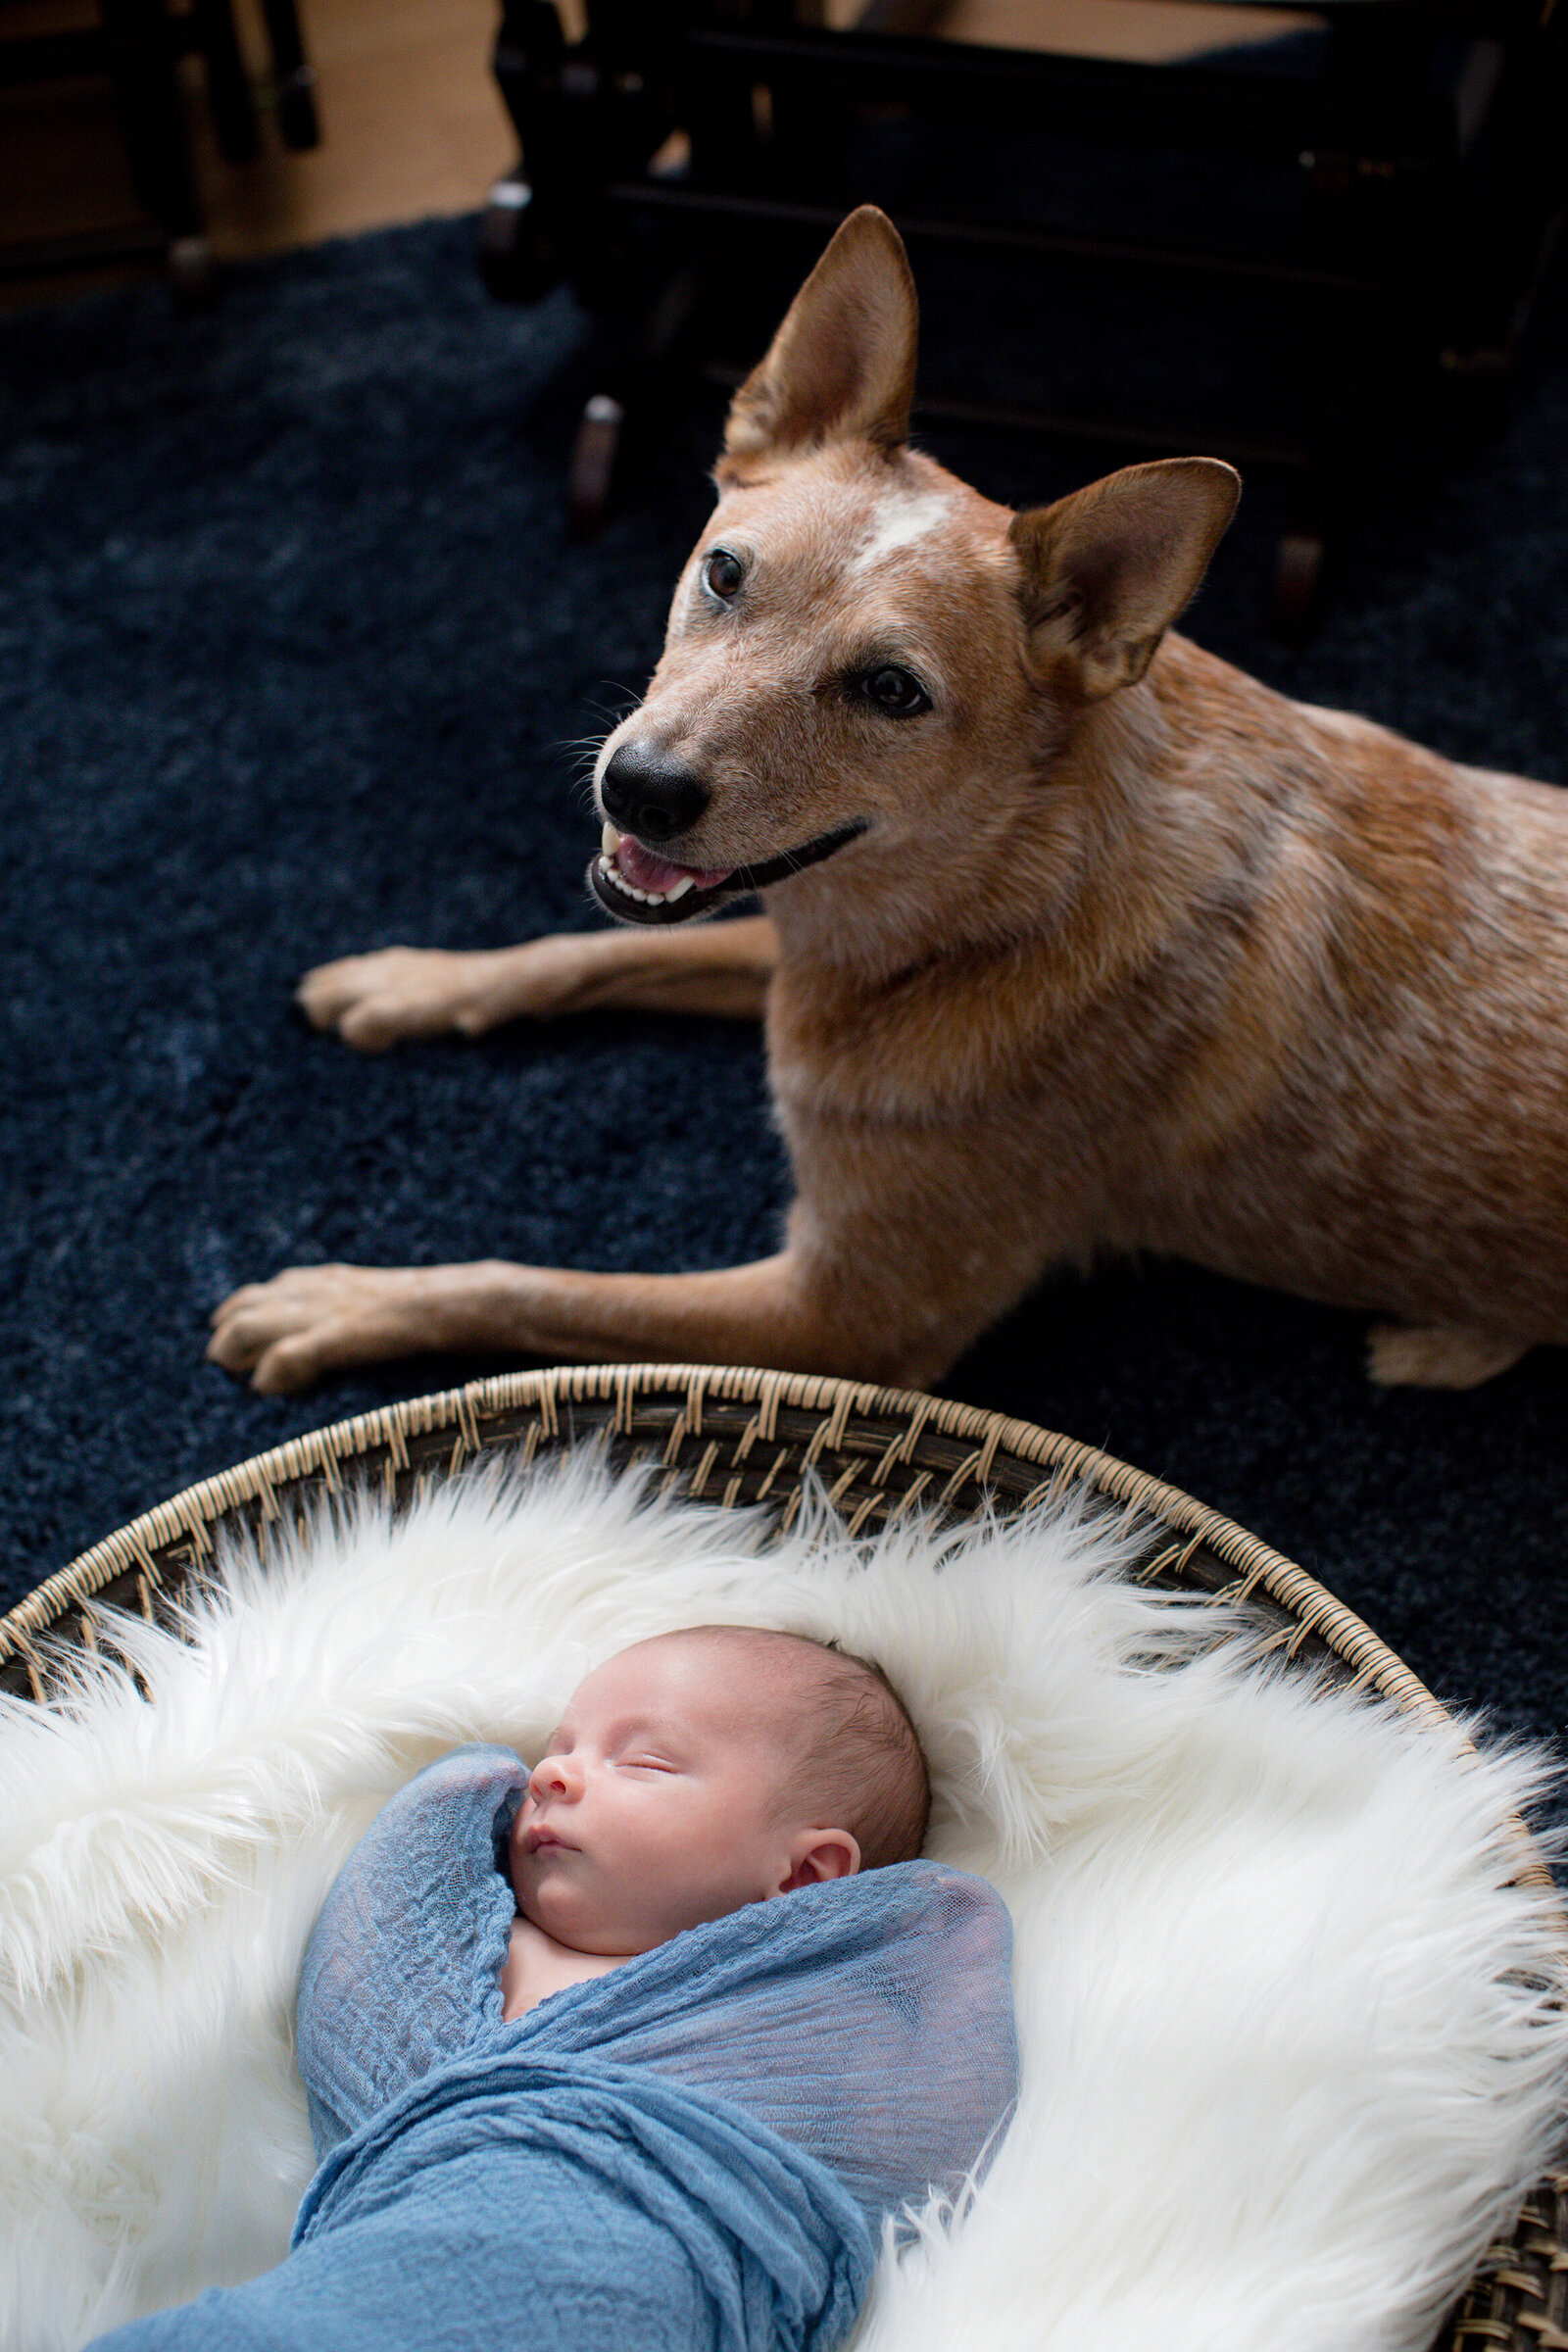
(1077,939)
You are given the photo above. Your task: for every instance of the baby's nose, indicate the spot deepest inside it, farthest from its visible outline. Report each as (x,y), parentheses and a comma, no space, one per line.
(555,1776)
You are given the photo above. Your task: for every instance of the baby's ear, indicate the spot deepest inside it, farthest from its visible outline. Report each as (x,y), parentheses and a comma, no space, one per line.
(817,1855)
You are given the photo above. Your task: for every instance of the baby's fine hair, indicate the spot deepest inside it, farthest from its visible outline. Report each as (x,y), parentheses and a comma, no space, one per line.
(859,1765)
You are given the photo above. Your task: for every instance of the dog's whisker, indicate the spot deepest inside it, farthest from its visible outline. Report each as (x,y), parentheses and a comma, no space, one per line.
(631,700)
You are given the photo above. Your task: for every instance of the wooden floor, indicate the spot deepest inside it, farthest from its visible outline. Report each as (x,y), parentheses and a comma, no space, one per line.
(411,121)
(412,125)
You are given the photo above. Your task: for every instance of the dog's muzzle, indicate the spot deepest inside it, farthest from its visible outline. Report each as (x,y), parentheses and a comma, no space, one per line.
(636,885)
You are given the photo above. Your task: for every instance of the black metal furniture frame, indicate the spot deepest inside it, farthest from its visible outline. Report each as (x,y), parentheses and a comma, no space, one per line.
(1422,163)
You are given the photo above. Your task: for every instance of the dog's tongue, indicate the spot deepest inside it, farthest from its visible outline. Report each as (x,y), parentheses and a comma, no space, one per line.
(644,871)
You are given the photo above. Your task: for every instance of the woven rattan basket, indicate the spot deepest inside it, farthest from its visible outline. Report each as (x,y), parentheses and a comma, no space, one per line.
(746,1436)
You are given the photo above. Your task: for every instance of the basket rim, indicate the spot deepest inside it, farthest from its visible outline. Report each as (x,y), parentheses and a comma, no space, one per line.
(1062,1461)
(334,1445)
(1373,1666)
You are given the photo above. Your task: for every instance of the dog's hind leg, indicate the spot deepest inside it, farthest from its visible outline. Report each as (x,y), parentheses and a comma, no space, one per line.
(383,998)
(1438,1358)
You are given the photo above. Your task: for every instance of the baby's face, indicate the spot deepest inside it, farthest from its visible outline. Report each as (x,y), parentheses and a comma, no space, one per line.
(658,1805)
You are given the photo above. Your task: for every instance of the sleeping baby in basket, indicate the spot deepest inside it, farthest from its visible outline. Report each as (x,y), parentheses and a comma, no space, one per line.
(640,2052)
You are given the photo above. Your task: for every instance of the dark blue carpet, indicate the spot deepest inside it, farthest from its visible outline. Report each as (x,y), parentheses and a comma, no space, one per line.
(292,650)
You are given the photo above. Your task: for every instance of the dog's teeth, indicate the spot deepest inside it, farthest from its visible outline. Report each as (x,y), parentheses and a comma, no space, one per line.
(610,871)
(645,898)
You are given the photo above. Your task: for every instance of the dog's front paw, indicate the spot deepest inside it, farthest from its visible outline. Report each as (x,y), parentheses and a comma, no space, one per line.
(384,998)
(1436,1359)
(315,1319)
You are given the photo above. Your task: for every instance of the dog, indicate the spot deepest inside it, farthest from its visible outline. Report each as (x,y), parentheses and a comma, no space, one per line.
(1076,939)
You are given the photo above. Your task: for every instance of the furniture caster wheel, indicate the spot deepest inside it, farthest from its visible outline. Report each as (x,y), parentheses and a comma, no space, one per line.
(517,260)
(192,273)
(592,466)
(1298,583)
(298,122)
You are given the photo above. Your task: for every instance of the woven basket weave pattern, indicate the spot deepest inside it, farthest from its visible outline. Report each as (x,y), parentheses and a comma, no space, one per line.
(735,1437)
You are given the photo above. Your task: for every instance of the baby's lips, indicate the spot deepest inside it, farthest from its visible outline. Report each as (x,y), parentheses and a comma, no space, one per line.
(538,1840)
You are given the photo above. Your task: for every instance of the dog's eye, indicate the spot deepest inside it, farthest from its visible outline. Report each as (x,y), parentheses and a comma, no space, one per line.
(895,691)
(722,574)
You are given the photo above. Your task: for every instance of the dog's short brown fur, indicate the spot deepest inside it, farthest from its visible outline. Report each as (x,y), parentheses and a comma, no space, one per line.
(1132,952)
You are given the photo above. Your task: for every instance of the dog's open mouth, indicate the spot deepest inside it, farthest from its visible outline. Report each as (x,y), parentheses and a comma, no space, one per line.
(637,885)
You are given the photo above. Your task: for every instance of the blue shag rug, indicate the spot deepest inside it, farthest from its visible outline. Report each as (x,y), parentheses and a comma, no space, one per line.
(293,649)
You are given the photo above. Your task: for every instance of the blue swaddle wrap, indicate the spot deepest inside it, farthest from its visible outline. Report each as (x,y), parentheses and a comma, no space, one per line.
(695,2153)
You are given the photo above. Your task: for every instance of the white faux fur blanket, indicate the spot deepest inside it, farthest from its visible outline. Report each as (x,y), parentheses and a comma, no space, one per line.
(1287,2060)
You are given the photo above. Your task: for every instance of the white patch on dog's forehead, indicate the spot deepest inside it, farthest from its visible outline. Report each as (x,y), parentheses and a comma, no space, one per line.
(901,520)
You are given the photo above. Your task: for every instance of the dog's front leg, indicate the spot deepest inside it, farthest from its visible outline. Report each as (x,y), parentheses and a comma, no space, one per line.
(313,1320)
(383,998)
(901,1248)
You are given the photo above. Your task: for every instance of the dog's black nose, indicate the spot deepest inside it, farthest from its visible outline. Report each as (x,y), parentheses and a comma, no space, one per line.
(646,793)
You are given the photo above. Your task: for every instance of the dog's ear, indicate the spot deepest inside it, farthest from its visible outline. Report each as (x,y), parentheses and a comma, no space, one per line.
(1106,571)
(842,365)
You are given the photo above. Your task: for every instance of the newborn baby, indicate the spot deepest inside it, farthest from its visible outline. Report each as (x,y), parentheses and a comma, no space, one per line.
(639,2052)
(694,1775)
